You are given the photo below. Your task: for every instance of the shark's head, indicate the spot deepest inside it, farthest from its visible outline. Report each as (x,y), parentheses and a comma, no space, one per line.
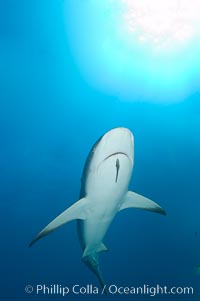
(109,162)
(116,141)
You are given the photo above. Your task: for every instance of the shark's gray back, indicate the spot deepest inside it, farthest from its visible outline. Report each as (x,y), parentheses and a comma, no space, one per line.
(86,168)
(83,193)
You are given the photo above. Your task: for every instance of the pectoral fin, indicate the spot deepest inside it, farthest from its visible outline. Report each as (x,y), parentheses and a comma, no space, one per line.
(79,210)
(134,200)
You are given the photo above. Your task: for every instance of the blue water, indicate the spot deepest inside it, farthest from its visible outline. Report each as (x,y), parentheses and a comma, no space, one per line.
(50,116)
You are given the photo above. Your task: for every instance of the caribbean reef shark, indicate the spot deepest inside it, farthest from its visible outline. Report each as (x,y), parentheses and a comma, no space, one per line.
(104,192)
(197,270)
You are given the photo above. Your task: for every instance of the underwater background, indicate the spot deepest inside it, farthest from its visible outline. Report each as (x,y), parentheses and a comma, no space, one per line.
(51,113)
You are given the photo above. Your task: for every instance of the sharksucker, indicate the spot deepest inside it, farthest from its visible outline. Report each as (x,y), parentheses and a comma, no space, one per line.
(117,169)
(100,197)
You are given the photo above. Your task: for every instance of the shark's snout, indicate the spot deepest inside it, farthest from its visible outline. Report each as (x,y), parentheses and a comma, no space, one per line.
(117,141)
(120,133)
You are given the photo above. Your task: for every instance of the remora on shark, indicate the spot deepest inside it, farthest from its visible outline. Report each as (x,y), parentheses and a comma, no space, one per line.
(104,192)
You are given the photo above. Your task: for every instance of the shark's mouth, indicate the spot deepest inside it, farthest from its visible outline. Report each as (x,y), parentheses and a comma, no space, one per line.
(117,153)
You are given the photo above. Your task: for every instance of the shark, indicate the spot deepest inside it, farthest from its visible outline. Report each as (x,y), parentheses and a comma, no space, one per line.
(104,192)
(197,270)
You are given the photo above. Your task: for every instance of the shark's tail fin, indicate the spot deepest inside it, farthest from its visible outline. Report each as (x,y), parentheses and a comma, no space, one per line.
(92,263)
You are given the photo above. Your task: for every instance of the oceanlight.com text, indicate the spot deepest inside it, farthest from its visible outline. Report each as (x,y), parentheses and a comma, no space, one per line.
(113,289)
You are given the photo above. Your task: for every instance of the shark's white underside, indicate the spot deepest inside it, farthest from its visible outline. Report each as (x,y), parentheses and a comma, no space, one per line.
(104,193)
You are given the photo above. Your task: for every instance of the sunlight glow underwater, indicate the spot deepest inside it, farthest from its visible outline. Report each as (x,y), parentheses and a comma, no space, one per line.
(137,49)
